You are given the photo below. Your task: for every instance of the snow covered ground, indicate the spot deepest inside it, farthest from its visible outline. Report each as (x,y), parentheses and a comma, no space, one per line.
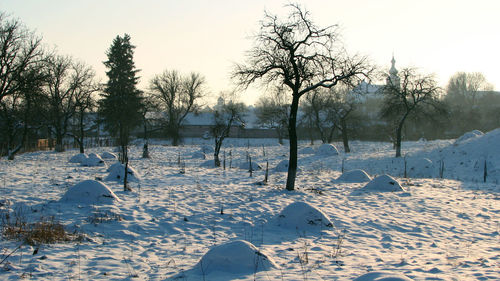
(184,221)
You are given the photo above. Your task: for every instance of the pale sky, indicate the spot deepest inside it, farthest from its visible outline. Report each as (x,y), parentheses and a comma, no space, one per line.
(209,36)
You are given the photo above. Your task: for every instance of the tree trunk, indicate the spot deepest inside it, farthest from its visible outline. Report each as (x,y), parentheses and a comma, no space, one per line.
(82,134)
(292,130)
(345,138)
(218,144)
(280,136)
(399,130)
(59,142)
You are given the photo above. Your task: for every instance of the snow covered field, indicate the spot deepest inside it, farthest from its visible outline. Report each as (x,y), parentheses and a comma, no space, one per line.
(434,229)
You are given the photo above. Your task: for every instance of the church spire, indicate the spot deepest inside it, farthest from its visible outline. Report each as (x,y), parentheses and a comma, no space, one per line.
(393,70)
(393,78)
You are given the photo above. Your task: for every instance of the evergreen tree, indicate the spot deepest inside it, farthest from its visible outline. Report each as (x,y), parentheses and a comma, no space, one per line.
(122,101)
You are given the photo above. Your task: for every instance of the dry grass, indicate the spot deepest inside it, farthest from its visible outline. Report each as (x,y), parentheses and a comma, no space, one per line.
(46,230)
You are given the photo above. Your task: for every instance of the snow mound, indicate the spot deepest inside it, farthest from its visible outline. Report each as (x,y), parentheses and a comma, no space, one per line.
(234,257)
(283,166)
(208,164)
(301,215)
(246,166)
(93,160)
(198,155)
(108,155)
(117,173)
(383,183)
(327,149)
(419,168)
(78,158)
(356,175)
(468,136)
(307,150)
(382,276)
(206,149)
(89,192)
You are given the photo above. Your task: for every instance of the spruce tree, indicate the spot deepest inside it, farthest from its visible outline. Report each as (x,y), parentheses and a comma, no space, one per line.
(121,101)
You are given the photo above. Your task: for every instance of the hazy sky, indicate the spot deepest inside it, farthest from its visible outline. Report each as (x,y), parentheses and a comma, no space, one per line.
(209,36)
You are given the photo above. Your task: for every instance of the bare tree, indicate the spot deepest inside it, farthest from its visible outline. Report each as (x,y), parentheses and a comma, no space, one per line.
(178,96)
(20,111)
(345,102)
(411,95)
(319,111)
(463,94)
(303,57)
(85,102)
(272,111)
(66,80)
(463,88)
(227,114)
(19,49)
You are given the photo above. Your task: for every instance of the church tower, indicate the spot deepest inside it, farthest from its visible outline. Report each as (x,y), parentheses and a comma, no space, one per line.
(393,78)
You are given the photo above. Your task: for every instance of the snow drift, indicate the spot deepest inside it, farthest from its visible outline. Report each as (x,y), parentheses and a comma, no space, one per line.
(117,173)
(78,158)
(234,257)
(383,183)
(283,166)
(468,136)
(301,215)
(93,160)
(89,192)
(307,150)
(356,175)
(327,149)
(419,168)
(108,155)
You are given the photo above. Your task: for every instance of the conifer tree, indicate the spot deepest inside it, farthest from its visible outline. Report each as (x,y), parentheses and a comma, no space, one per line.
(122,101)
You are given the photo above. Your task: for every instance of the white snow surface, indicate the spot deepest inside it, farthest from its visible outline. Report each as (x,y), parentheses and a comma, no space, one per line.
(382,276)
(438,229)
(89,192)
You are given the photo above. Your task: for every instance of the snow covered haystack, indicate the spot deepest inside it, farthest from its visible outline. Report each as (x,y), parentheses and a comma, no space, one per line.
(246,166)
(93,160)
(356,175)
(239,257)
(327,149)
(383,183)
(117,173)
(382,276)
(307,150)
(89,192)
(108,155)
(301,215)
(468,136)
(78,158)
(419,168)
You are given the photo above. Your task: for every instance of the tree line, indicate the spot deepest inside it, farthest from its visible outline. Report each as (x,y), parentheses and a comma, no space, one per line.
(313,85)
